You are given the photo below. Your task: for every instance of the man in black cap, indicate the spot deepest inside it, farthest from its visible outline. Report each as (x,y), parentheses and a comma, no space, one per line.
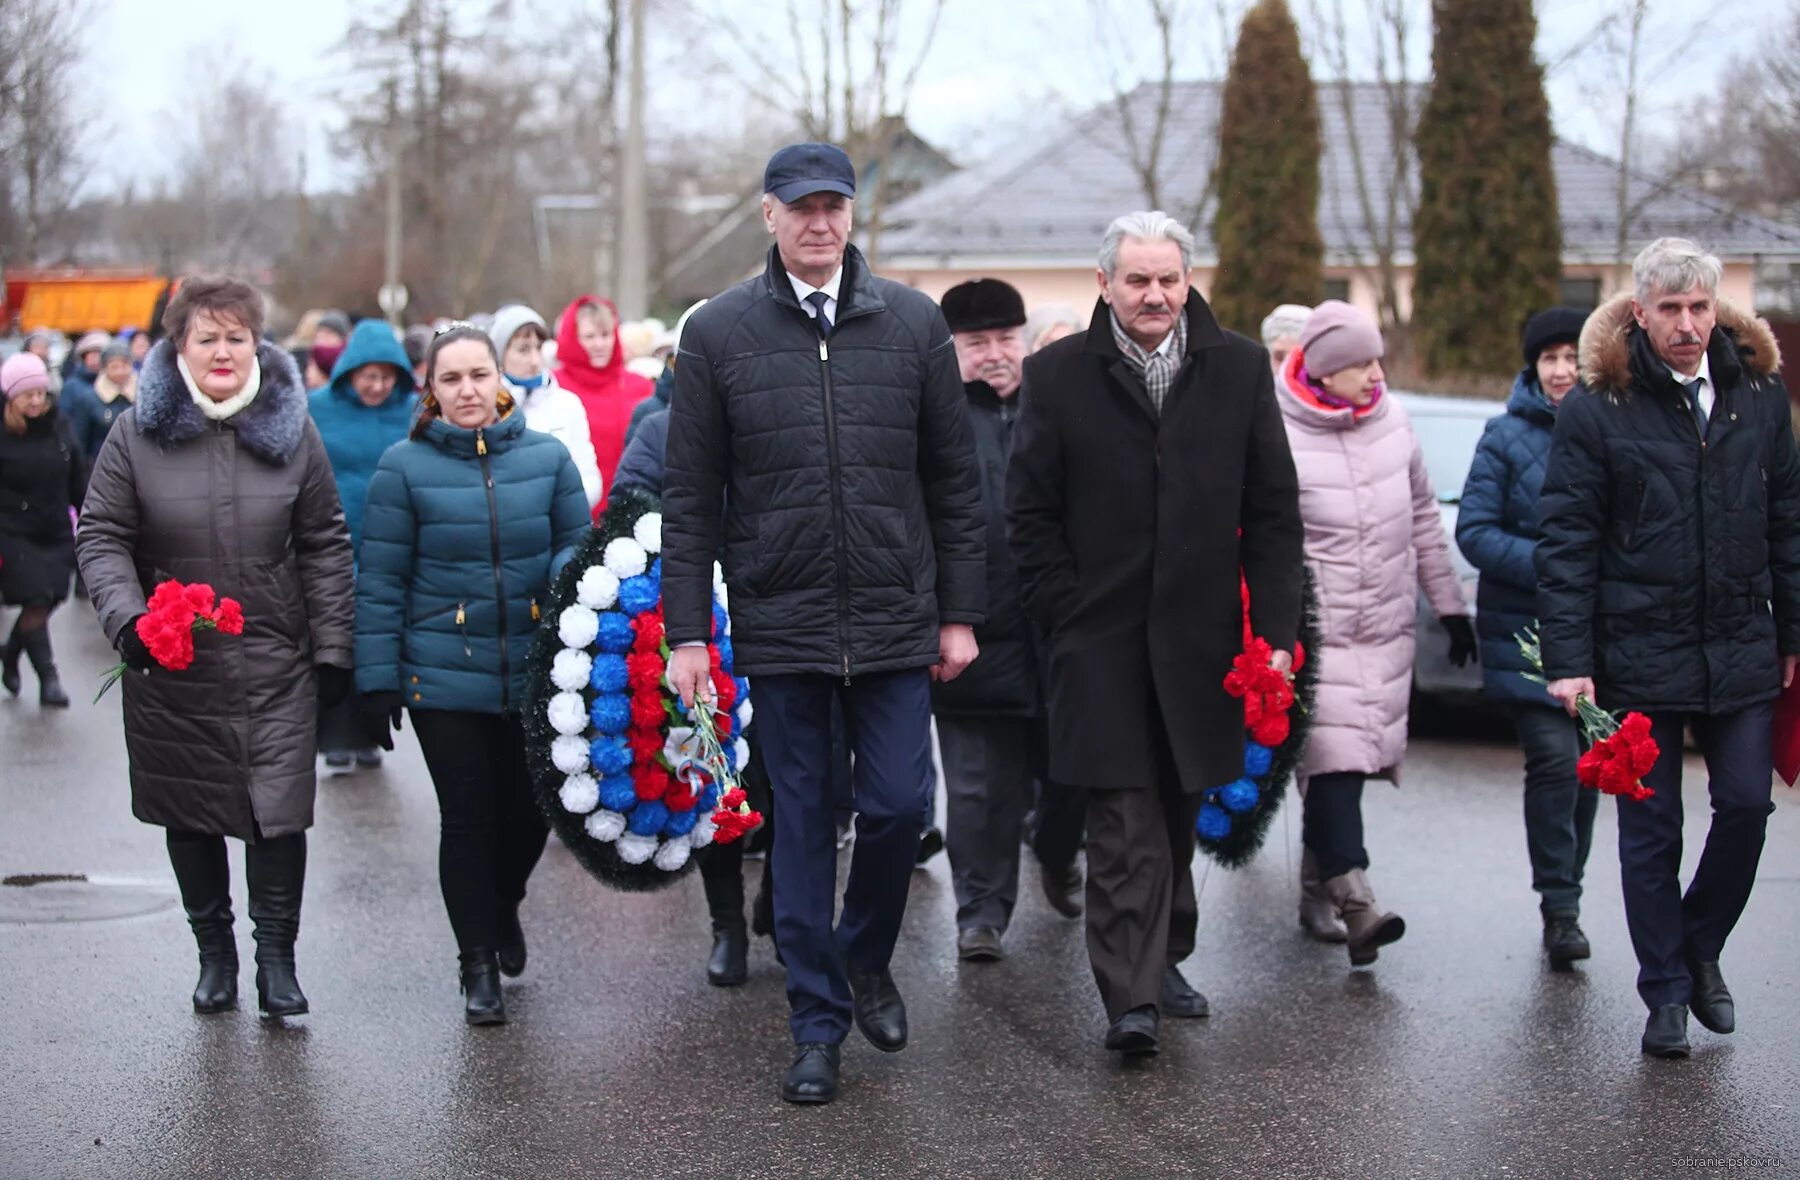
(990,721)
(821,406)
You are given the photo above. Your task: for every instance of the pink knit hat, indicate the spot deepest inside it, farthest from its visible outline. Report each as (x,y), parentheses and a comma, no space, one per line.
(1338,336)
(22,373)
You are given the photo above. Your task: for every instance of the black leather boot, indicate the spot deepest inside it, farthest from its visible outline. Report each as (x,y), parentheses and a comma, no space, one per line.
(511,952)
(203,874)
(50,689)
(483,1002)
(9,661)
(728,966)
(277,872)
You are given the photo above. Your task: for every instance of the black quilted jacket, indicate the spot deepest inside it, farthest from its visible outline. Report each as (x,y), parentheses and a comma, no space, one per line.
(854,525)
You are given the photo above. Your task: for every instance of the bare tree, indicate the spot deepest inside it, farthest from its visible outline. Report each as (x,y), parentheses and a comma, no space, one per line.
(39,119)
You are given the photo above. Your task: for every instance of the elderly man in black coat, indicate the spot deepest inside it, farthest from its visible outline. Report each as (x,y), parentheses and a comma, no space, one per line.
(1150,466)
(821,405)
(1669,583)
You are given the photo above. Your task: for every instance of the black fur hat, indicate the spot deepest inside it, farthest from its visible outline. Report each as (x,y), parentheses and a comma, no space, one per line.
(980,305)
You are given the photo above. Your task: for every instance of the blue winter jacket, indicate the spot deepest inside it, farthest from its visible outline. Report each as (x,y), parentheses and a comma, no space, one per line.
(1497,530)
(462,534)
(356,436)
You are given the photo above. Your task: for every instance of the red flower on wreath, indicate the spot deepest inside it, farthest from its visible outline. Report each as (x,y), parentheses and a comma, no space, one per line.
(649,628)
(651,781)
(1617,764)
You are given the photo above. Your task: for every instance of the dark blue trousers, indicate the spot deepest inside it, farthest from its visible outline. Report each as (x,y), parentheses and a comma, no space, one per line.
(888,717)
(1668,927)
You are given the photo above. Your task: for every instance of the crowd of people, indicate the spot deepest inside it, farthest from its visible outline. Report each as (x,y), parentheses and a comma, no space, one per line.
(1035,531)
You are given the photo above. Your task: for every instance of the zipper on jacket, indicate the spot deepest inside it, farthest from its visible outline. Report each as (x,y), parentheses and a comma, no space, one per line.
(487,479)
(837,514)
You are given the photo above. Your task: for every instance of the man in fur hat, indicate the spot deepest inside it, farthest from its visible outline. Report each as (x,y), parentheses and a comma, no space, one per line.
(1669,584)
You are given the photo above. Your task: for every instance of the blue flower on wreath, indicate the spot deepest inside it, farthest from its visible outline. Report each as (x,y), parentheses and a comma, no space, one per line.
(655,573)
(616,633)
(743,688)
(709,801)
(648,817)
(1257,760)
(610,756)
(1239,796)
(1214,823)
(639,594)
(618,793)
(725,653)
(718,631)
(609,674)
(682,822)
(610,713)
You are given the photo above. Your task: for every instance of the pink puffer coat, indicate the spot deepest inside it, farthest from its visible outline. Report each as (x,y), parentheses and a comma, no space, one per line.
(1372,535)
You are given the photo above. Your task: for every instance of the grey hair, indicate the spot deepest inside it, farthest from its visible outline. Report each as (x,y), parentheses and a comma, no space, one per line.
(1146,226)
(1286,321)
(1042,319)
(1674,265)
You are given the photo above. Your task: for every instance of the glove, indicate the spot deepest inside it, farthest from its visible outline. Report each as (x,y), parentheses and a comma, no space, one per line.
(1462,639)
(380,717)
(335,685)
(137,657)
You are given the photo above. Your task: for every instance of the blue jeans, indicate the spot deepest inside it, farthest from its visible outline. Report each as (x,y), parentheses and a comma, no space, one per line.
(888,719)
(1559,812)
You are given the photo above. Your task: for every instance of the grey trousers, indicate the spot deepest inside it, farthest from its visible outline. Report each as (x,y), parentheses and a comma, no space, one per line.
(989,768)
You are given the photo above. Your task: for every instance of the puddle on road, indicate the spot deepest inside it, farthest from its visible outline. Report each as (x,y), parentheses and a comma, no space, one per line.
(36,898)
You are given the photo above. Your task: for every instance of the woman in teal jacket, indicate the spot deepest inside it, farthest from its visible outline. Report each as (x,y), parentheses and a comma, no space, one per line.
(367,407)
(466,524)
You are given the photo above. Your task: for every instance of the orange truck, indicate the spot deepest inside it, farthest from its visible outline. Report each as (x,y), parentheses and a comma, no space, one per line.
(73,301)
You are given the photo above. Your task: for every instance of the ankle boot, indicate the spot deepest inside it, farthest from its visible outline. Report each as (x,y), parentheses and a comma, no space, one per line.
(728,966)
(277,872)
(50,689)
(1369,929)
(1318,917)
(511,951)
(483,1002)
(9,661)
(204,877)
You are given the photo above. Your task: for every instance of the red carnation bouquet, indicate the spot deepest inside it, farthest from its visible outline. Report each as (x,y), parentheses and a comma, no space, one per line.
(176,612)
(1267,694)
(1620,751)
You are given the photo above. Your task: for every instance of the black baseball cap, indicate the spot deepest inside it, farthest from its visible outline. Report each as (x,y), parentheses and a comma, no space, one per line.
(802,168)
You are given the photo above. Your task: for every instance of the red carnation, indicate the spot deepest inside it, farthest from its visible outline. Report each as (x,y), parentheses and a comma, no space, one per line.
(230,617)
(649,628)
(644,670)
(724,687)
(200,598)
(648,712)
(734,799)
(731,825)
(645,742)
(651,782)
(1616,764)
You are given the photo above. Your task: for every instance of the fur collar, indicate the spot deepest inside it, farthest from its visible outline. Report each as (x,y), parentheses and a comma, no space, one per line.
(1606,343)
(270,427)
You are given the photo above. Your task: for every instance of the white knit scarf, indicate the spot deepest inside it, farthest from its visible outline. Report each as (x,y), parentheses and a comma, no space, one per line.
(220,411)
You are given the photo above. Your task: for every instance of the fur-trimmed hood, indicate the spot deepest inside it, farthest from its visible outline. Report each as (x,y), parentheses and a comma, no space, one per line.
(1606,343)
(270,427)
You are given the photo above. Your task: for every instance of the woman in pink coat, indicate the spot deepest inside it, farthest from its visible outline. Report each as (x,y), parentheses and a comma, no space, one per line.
(1372,536)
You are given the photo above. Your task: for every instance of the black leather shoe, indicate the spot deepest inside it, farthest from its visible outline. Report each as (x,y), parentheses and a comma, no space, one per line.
(813,1078)
(1134,1033)
(1181,998)
(511,951)
(483,1002)
(880,1012)
(728,966)
(1062,888)
(1563,941)
(1711,999)
(1665,1033)
(979,944)
(930,844)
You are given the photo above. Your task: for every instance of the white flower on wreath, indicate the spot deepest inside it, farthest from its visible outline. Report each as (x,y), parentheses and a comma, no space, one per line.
(571,667)
(605,826)
(567,713)
(672,855)
(681,743)
(741,751)
(648,532)
(625,558)
(635,849)
(580,794)
(569,754)
(703,832)
(745,712)
(577,626)
(598,588)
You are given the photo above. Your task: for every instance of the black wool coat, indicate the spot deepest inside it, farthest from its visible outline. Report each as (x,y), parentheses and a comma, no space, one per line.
(1669,567)
(852,525)
(42,472)
(1125,526)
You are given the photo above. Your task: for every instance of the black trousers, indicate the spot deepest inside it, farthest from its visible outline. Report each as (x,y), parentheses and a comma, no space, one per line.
(990,765)
(492,832)
(1142,915)
(1667,926)
(1331,823)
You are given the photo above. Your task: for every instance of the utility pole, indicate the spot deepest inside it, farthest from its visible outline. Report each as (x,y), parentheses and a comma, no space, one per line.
(393,295)
(632,292)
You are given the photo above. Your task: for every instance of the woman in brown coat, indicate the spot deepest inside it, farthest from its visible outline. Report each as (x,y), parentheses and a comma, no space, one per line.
(217,475)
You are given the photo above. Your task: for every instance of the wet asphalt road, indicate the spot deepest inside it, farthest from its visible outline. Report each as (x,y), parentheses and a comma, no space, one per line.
(1457,1055)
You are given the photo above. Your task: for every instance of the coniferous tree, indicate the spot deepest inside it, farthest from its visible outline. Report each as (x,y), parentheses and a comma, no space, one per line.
(1266,226)
(1488,237)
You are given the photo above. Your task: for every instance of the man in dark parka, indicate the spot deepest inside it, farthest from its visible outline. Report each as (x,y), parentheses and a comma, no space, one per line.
(1150,466)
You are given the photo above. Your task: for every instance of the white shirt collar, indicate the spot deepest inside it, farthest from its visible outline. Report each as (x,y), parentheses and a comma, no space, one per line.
(802,289)
(1162,349)
(1706,394)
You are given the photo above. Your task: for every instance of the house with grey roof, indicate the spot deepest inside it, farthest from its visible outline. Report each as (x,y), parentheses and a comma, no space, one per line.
(1034,216)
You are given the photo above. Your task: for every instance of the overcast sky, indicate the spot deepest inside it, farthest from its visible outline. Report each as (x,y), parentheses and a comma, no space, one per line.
(998,69)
